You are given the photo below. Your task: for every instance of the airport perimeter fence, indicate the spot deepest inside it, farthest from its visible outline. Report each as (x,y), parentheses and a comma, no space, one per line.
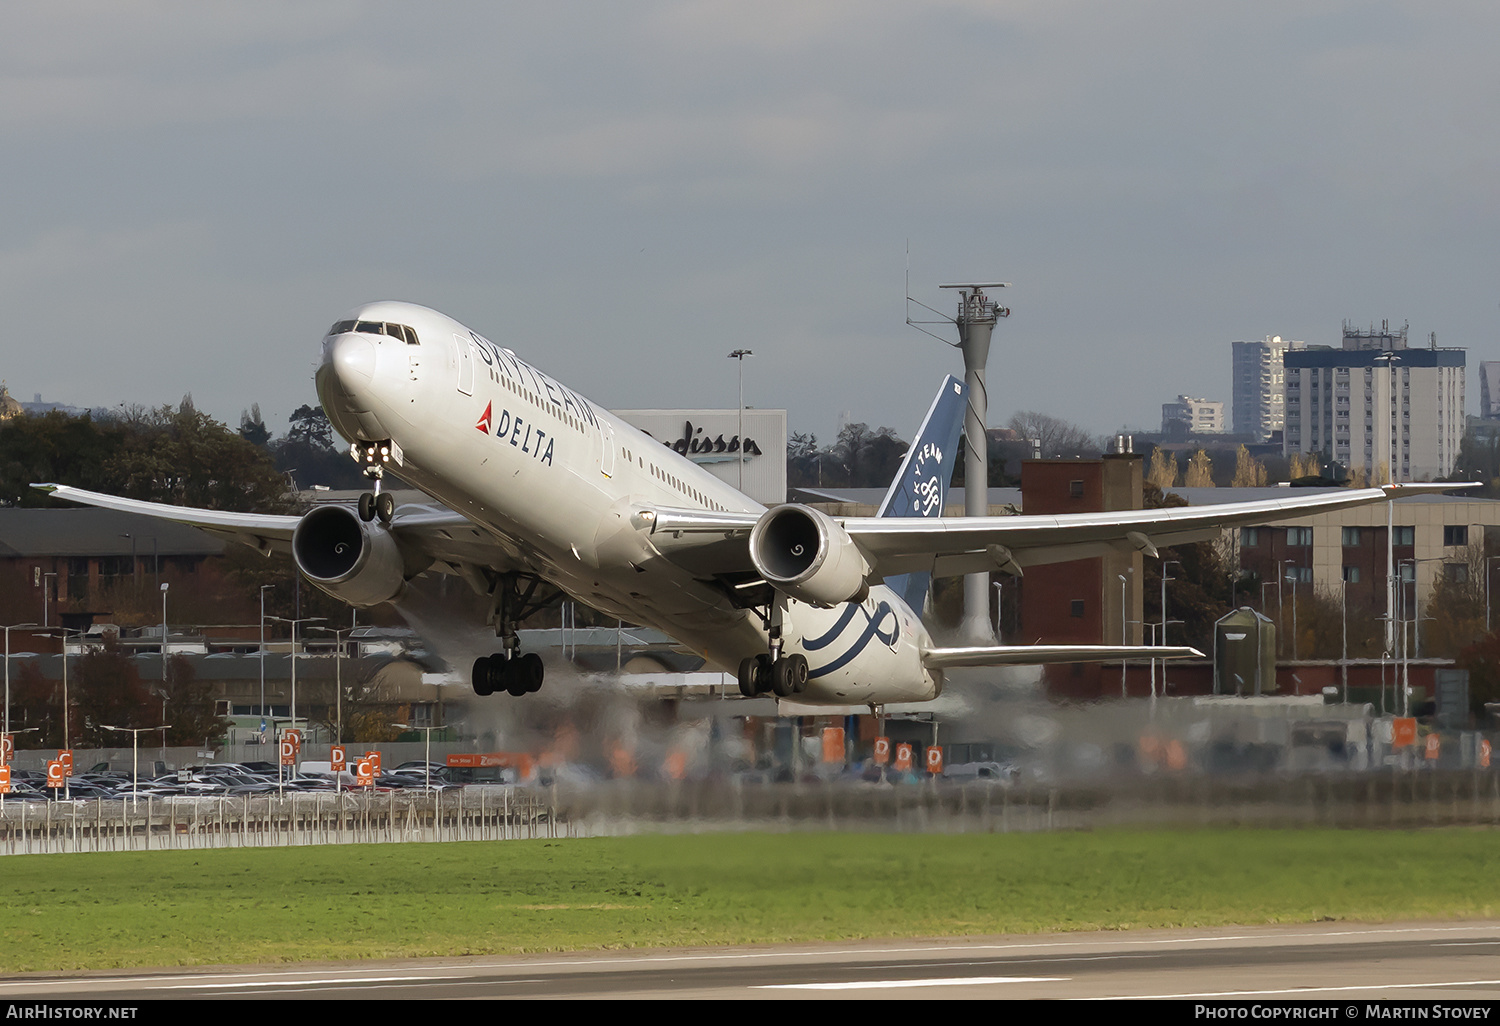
(1403,799)
(164,824)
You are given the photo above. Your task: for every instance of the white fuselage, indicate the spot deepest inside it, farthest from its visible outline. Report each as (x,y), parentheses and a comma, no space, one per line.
(558,482)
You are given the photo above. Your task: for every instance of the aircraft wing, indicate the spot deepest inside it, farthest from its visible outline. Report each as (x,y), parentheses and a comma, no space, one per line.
(429,529)
(951,546)
(1036,655)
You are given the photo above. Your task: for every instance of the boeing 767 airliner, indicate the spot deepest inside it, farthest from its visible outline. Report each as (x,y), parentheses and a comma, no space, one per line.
(539,491)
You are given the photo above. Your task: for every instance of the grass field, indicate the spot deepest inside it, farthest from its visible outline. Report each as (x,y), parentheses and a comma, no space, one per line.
(368,901)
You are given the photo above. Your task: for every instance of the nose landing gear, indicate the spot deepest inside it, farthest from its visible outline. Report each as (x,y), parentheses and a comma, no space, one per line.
(373,458)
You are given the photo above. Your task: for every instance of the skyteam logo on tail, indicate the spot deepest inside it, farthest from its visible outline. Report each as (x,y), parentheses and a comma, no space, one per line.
(484,421)
(921,486)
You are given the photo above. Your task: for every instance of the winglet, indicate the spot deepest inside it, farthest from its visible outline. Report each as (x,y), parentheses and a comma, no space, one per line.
(1396,491)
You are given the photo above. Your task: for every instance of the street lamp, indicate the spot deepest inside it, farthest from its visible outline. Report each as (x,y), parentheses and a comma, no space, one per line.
(261,657)
(46,595)
(338,679)
(427,758)
(294,623)
(1124,627)
(135,755)
(17,626)
(164,587)
(1488,626)
(1164,580)
(740,354)
(1293,578)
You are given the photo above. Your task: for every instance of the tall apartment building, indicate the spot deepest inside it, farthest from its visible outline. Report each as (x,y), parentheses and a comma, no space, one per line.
(1189,416)
(1258,406)
(1375,403)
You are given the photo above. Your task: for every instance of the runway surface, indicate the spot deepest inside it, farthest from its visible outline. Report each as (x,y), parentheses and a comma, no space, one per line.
(1341,964)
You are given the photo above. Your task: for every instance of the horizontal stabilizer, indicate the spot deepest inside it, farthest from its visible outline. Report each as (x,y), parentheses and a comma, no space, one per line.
(1036,655)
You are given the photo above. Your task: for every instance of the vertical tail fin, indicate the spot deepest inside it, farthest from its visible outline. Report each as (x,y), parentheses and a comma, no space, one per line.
(921,485)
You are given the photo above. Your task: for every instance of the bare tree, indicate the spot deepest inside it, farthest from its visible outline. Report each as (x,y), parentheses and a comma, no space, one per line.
(1057,438)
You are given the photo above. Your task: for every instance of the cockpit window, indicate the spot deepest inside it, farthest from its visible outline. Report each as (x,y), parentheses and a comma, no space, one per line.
(399,331)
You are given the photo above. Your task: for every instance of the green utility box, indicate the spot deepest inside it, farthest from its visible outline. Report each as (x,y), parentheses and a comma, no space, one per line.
(1245,654)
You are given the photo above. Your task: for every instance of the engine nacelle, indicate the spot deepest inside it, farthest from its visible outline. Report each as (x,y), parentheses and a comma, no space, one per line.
(807,555)
(354,561)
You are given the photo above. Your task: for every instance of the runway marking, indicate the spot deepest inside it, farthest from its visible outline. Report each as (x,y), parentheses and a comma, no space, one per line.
(955,981)
(1190,940)
(1301,991)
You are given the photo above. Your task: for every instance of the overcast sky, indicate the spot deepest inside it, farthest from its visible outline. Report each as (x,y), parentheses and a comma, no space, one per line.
(625,192)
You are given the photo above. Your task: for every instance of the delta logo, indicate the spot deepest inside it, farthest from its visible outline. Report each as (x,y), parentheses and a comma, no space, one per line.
(484,421)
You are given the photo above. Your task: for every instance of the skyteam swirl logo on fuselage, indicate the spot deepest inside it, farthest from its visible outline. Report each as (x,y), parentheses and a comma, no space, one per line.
(870,630)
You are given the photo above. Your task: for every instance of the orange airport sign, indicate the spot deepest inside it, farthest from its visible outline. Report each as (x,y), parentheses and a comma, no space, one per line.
(833,744)
(1403,731)
(934,759)
(4,780)
(903,756)
(882,751)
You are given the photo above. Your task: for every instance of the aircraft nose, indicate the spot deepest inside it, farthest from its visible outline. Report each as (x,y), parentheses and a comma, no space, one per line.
(351,357)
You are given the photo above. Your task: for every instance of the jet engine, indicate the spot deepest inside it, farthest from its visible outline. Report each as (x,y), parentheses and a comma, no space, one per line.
(356,562)
(808,556)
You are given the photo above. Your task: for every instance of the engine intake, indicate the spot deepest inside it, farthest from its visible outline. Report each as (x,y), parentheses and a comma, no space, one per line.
(807,555)
(355,562)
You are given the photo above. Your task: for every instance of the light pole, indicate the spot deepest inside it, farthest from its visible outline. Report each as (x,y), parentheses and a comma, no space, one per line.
(740,354)
(426,759)
(12,627)
(262,660)
(294,623)
(1293,579)
(164,587)
(46,596)
(338,679)
(1164,580)
(1124,628)
(135,755)
(999,613)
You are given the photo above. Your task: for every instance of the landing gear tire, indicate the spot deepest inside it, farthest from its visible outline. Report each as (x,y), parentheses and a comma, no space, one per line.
(754,675)
(481,677)
(385,507)
(367,506)
(789,675)
(530,670)
(520,676)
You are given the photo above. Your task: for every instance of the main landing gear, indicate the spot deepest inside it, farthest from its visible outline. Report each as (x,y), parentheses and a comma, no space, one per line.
(784,675)
(516,676)
(509,670)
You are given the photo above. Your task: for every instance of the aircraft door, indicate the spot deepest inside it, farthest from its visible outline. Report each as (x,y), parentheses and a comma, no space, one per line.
(465,363)
(607,457)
